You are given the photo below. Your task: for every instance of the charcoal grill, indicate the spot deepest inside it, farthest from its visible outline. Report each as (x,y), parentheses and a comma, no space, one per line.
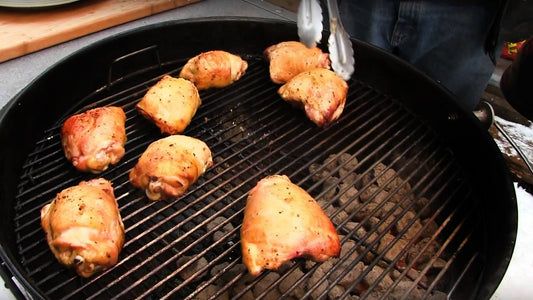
(449,169)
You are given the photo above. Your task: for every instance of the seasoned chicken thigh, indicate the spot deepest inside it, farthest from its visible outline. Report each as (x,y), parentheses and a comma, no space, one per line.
(281,222)
(320,92)
(288,59)
(215,68)
(171,104)
(170,165)
(83,227)
(95,139)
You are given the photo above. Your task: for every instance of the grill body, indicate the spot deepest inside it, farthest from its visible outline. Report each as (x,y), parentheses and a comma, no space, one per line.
(418,167)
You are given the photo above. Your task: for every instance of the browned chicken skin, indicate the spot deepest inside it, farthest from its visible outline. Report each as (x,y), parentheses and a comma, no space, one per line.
(215,68)
(281,222)
(83,227)
(95,139)
(170,165)
(288,59)
(171,104)
(320,92)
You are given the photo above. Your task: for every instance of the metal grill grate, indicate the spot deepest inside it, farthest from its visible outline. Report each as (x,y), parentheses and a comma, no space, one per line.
(396,185)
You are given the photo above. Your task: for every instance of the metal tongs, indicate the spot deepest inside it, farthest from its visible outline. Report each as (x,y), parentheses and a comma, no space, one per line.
(339,45)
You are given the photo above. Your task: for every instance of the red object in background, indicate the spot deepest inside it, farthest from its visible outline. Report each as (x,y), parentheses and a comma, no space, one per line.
(517,78)
(510,49)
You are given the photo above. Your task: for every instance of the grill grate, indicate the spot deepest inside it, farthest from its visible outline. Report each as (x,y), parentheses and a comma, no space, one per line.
(396,191)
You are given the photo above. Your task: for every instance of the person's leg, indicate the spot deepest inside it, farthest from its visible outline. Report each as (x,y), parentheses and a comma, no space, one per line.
(445,40)
(369,21)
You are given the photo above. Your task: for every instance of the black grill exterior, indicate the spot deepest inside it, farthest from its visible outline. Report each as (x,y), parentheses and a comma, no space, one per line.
(398,181)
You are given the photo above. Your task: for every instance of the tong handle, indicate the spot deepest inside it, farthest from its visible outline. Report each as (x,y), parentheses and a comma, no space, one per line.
(309,22)
(333,10)
(340,46)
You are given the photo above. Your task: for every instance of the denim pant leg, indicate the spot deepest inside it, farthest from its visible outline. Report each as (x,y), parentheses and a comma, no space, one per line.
(371,21)
(443,39)
(449,46)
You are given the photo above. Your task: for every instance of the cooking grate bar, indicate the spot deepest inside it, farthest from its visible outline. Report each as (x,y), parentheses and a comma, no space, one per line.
(389,153)
(185,265)
(404,198)
(53,169)
(252,133)
(375,130)
(170,204)
(377,148)
(236,188)
(345,220)
(212,279)
(341,140)
(465,270)
(369,247)
(472,256)
(131,241)
(251,145)
(447,200)
(42,158)
(61,158)
(392,264)
(234,247)
(386,114)
(128,100)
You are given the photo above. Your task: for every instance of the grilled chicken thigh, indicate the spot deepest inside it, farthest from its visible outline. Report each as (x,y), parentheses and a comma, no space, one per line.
(215,68)
(320,92)
(95,139)
(281,222)
(288,59)
(170,165)
(171,104)
(83,227)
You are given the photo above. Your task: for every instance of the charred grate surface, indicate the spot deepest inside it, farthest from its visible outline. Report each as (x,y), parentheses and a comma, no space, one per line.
(404,209)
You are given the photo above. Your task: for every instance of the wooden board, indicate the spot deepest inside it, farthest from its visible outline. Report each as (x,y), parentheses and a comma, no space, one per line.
(26,31)
(291,5)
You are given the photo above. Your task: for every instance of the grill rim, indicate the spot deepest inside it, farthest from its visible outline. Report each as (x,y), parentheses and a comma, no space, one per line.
(16,106)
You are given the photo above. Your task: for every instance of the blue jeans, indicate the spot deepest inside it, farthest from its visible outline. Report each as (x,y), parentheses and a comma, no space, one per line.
(443,39)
